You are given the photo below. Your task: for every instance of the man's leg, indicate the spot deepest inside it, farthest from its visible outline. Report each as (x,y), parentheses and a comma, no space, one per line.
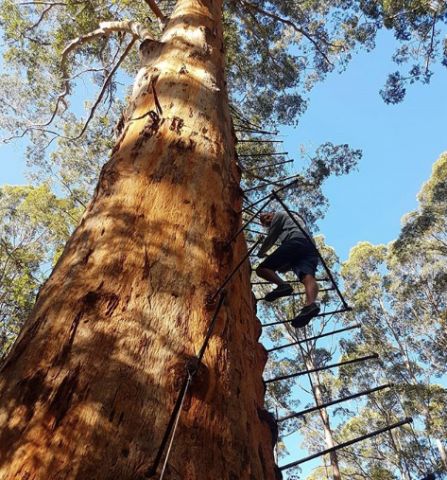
(269,275)
(283,288)
(306,271)
(268,268)
(310,287)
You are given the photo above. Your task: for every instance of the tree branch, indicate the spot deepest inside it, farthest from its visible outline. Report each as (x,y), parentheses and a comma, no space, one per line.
(430,48)
(104,87)
(105,29)
(162,18)
(290,24)
(42,15)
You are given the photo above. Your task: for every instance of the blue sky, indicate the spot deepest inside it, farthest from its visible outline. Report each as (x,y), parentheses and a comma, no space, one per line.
(399,143)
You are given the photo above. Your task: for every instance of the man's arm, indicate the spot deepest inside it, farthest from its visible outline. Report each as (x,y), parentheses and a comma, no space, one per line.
(273,233)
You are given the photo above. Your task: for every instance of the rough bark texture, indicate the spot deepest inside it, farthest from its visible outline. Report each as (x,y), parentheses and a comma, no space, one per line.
(87,391)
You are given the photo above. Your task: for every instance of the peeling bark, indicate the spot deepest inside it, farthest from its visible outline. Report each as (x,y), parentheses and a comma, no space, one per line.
(87,390)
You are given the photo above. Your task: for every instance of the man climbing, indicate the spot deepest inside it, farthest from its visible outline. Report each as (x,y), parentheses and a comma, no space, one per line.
(297,252)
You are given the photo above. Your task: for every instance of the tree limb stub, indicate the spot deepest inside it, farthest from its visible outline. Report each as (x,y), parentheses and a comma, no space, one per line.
(162,18)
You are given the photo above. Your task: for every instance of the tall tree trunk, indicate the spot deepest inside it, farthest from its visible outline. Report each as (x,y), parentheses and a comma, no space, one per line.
(87,391)
(319,400)
(400,460)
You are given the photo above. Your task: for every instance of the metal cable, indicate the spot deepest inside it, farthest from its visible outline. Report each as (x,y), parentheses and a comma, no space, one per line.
(191,370)
(174,429)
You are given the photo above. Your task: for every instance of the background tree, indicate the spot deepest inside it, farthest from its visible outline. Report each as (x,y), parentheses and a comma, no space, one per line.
(34,227)
(398,293)
(290,396)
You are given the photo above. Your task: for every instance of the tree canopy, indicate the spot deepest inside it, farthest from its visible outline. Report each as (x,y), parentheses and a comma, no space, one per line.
(275,52)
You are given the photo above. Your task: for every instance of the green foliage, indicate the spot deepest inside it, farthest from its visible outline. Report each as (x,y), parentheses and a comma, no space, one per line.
(276,51)
(426,228)
(398,293)
(34,228)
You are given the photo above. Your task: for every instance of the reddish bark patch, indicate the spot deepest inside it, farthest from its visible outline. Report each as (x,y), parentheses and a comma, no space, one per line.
(125,452)
(149,130)
(266,417)
(62,400)
(90,299)
(87,256)
(261,457)
(69,343)
(210,302)
(239,169)
(213,214)
(117,145)
(32,389)
(182,145)
(111,303)
(177,125)
(217,168)
(146,266)
(109,176)
(201,382)
(234,221)
(8,438)
(21,345)
(220,249)
(235,192)
(176,372)
(96,300)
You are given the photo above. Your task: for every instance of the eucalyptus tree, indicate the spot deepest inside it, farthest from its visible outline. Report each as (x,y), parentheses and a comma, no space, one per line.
(416,278)
(89,385)
(33,229)
(398,293)
(304,352)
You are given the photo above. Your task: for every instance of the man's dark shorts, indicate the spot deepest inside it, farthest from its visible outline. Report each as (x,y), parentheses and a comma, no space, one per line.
(297,255)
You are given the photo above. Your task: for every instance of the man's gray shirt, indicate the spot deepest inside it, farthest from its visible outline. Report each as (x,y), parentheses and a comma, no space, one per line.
(283,228)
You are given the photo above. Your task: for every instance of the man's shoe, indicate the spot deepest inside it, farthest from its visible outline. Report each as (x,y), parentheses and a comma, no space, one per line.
(305,316)
(283,290)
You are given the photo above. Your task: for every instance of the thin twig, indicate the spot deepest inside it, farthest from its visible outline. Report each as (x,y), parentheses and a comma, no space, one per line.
(290,24)
(104,87)
(430,49)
